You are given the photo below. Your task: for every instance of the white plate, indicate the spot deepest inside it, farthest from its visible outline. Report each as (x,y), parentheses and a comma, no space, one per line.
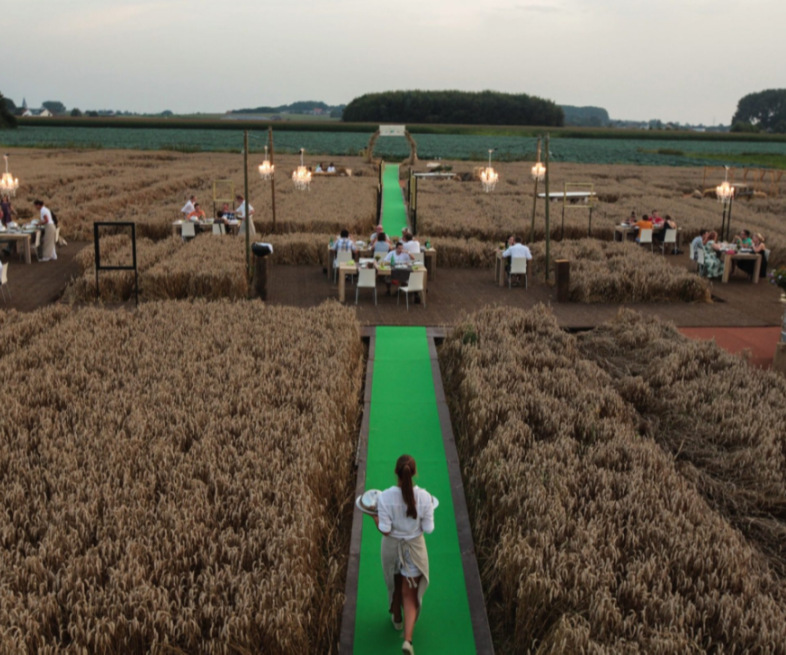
(367,502)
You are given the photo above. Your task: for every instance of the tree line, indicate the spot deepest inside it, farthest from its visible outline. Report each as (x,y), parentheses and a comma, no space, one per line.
(454,107)
(764,111)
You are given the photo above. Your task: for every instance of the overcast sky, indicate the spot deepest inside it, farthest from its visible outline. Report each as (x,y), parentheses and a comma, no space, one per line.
(676,60)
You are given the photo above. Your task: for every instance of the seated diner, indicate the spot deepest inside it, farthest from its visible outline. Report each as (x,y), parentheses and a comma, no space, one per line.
(644,224)
(760,248)
(713,265)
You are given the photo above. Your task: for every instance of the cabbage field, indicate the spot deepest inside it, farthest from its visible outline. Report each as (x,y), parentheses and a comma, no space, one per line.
(653,152)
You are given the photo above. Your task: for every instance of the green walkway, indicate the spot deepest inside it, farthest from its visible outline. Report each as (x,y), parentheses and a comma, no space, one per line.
(394,212)
(404,419)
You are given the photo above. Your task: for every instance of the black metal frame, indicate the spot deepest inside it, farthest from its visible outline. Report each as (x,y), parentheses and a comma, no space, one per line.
(96,242)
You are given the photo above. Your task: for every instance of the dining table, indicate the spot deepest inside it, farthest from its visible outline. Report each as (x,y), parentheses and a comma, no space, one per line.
(383,270)
(731,253)
(20,236)
(232,227)
(367,252)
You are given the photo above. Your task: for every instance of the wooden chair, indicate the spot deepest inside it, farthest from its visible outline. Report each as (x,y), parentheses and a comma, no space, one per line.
(367,279)
(518,266)
(415,285)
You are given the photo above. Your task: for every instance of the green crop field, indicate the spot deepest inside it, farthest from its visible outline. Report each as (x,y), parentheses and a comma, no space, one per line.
(597,147)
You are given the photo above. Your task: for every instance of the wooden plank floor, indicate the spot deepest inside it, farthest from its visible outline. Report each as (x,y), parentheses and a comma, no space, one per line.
(456,292)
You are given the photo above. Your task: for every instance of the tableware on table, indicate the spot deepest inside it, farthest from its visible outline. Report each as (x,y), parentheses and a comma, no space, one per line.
(367,501)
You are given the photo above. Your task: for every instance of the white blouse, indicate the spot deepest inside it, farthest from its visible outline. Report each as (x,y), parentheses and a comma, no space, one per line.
(392,511)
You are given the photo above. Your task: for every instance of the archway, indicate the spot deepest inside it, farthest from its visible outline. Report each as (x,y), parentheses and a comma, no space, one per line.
(393,130)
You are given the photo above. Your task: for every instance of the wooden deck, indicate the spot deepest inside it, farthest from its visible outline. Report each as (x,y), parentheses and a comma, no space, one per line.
(457,292)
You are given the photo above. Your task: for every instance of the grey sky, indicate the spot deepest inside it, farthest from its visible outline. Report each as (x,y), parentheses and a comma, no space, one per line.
(686,61)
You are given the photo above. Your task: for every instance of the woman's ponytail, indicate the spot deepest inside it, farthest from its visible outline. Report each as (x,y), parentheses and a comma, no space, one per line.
(405,470)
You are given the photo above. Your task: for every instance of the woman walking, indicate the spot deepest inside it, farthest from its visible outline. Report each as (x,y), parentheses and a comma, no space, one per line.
(404,514)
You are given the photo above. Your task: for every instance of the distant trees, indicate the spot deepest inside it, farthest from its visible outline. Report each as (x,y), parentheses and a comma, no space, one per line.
(765,110)
(586,116)
(7,118)
(55,106)
(456,107)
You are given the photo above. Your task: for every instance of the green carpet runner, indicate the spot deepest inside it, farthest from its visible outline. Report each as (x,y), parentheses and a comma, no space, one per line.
(394,212)
(404,419)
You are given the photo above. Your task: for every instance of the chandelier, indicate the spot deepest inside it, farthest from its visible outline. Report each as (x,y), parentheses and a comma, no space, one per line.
(266,168)
(724,191)
(302,176)
(8,184)
(538,172)
(488,176)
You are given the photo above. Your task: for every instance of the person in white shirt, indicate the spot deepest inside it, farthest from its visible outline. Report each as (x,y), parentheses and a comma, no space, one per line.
(188,207)
(410,244)
(47,247)
(518,249)
(404,514)
(398,256)
(331,168)
(243,209)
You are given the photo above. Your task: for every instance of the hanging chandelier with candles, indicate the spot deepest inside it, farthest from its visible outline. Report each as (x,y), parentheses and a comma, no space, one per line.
(302,176)
(724,191)
(8,183)
(266,168)
(488,176)
(538,172)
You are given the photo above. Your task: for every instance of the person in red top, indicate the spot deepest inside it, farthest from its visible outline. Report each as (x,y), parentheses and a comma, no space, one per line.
(657,220)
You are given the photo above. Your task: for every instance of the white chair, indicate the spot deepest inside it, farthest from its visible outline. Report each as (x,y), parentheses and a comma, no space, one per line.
(367,279)
(342,256)
(188,230)
(219,228)
(4,281)
(415,285)
(700,261)
(670,238)
(518,266)
(60,241)
(419,258)
(645,238)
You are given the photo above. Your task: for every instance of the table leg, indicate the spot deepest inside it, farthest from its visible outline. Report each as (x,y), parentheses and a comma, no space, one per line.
(26,248)
(726,268)
(342,285)
(756,270)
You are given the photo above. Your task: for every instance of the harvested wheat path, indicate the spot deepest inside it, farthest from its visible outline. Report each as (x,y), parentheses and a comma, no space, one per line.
(406,412)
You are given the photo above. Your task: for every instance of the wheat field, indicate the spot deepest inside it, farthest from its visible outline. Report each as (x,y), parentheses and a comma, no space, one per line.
(626,486)
(163,477)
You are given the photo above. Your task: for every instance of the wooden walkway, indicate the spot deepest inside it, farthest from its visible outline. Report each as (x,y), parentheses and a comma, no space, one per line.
(456,292)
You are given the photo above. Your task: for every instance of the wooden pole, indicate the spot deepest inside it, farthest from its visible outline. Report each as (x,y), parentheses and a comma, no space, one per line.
(534,201)
(272,178)
(246,212)
(548,223)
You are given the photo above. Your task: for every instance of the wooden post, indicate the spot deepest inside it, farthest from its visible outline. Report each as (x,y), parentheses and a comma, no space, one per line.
(562,267)
(272,178)
(246,211)
(534,200)
(548,223)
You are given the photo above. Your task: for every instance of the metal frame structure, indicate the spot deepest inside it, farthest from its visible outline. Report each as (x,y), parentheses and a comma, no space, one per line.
(99,267)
